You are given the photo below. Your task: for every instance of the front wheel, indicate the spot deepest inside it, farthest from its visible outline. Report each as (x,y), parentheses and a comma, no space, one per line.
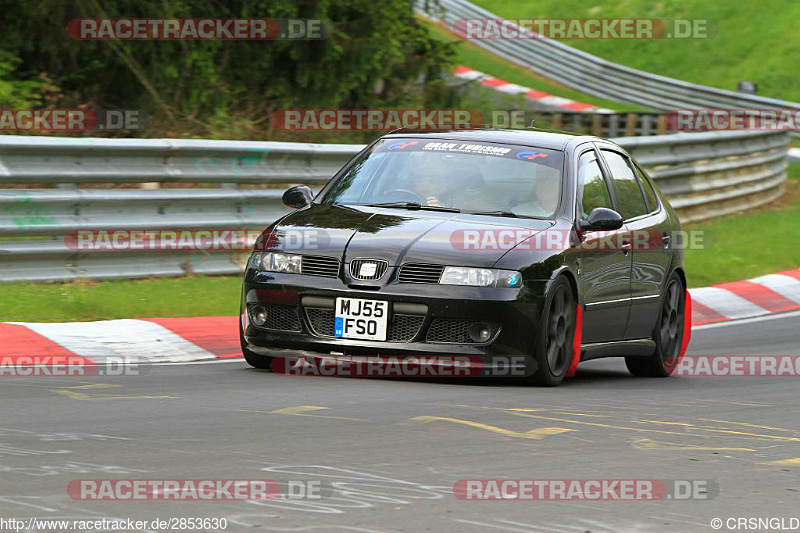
(554,344)
(253,359)
(667,334)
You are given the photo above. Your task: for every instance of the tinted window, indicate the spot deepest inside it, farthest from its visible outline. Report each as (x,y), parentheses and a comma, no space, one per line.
(470,176)
(630,195)
(592,188)
(649,193)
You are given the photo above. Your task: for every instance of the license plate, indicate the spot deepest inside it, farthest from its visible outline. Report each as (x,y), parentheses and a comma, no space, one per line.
(361,319)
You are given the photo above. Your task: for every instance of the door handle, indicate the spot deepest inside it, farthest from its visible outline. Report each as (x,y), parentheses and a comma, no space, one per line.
(626,247)
(666,238)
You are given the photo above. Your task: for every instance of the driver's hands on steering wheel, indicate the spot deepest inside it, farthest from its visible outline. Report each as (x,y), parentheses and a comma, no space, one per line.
(434,201)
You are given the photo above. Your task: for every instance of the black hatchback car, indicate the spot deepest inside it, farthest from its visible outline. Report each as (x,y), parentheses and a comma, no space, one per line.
(548,245)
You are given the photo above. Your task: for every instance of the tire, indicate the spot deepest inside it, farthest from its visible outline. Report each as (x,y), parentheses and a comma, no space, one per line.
(253,359)
(667,334)
(256,360)
(553,350)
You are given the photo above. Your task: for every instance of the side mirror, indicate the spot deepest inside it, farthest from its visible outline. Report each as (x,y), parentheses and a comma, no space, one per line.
(602,219)
(297,197)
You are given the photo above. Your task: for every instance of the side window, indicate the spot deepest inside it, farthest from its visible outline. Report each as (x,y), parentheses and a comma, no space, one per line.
(592,188)
(628,191)
(649,193)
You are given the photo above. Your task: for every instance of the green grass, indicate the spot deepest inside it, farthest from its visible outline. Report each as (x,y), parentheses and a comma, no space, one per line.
(101,300)
(477,58)
(746,245)
(756,40)
(750,244)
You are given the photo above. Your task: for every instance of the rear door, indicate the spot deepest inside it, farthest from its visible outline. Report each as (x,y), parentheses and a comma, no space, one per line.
(644,219)
(604,272)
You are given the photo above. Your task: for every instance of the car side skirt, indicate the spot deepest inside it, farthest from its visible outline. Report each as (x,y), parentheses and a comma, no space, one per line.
(629,348)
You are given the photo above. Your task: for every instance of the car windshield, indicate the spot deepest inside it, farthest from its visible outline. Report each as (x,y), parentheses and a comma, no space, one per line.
(473,177)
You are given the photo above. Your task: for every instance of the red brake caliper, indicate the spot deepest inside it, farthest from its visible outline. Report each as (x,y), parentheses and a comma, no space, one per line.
(687,326)
(576,342)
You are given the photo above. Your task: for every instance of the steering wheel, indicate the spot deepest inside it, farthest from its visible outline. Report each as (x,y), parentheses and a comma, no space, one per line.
(415,197)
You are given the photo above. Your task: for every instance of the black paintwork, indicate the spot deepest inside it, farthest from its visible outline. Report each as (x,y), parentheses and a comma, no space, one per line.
(619,290)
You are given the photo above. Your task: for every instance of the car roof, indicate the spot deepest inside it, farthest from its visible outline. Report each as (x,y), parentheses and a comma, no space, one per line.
(552,139)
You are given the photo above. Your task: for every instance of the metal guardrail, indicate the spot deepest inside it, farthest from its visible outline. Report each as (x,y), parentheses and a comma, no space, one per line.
(703,174)
(596,76)
(90,160)
(601,125)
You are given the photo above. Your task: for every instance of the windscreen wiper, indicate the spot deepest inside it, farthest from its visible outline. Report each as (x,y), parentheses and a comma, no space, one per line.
(508,214)
(416,206)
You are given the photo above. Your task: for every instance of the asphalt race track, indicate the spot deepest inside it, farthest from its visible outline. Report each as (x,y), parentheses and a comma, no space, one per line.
(390,450)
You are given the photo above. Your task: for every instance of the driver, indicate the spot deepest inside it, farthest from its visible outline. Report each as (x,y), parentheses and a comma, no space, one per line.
(430,185)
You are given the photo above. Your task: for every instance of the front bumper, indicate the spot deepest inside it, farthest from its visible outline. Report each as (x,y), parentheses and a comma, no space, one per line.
(515,312)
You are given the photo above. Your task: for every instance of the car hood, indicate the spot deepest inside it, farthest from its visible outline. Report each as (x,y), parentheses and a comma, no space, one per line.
(400,236)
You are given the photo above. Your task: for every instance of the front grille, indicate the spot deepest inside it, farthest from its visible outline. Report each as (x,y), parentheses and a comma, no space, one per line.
(401,328)
(317,265)
(321,321)
(455,331)
(380,268)
(281,317)
(420,273)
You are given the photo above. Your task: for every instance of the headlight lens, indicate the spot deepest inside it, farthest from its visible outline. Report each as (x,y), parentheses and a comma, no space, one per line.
(480,277)
(276,262)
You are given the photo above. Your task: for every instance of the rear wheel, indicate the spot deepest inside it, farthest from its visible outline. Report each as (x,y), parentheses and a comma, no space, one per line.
(668,334)
(553,350)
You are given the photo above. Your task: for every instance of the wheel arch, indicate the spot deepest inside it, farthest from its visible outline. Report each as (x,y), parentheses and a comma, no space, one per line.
(570,276)
(681,274)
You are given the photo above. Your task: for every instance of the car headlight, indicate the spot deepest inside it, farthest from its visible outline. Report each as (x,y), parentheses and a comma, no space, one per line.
(276,262)
(480,277)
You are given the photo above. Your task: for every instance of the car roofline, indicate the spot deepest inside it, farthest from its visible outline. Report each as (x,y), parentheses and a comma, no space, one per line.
(551,139)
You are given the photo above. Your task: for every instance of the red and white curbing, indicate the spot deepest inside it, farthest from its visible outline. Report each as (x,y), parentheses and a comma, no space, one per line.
(466,73)
(772,293)
(174,340)
(157,340)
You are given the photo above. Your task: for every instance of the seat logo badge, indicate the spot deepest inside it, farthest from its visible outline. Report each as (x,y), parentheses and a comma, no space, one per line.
(368,270)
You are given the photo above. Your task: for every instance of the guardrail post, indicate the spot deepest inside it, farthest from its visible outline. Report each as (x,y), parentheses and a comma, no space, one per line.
(661,125)
(597,125)
(630,124)
(647,125)
(613,125)
(577,122)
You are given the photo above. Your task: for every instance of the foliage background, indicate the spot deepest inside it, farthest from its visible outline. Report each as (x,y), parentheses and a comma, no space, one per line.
(378,55)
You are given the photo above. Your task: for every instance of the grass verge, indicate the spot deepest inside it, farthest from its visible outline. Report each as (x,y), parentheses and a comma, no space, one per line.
(103,300)
(755,41)
(475,57)
(750,244)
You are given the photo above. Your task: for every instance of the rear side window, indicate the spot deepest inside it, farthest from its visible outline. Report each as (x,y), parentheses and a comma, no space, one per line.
(630,195)
(592,188)
(647,187)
